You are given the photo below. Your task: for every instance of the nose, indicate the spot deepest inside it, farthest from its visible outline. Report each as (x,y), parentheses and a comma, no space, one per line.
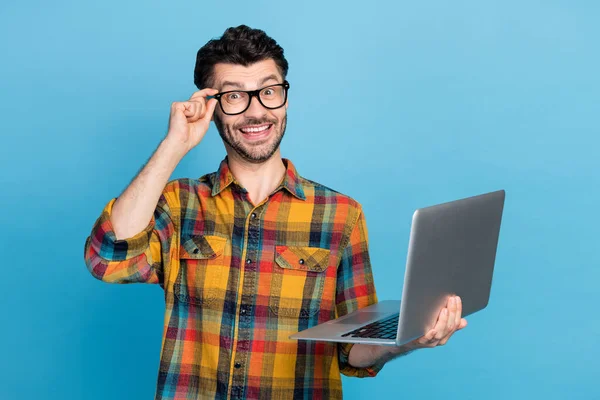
(256,110)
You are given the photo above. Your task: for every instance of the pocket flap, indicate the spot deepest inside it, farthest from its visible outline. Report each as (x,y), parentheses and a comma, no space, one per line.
(201,247)
(302,258)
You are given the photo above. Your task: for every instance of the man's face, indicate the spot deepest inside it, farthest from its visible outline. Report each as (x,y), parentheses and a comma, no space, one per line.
(256,133)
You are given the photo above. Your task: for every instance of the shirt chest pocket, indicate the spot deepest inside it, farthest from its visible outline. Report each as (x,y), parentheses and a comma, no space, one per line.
(297,281)
(203,270)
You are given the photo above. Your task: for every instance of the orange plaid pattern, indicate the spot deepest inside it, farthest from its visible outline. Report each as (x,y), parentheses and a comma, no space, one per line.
(240,278)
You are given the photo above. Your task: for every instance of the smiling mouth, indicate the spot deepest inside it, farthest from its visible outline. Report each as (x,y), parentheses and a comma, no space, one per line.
(255,129)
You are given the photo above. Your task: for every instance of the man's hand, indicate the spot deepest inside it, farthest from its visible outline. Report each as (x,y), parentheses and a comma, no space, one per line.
(189,120)
(188,124)
(448,322)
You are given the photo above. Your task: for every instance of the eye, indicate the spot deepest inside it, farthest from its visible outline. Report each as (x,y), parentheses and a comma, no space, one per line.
(268,91)
(233,96)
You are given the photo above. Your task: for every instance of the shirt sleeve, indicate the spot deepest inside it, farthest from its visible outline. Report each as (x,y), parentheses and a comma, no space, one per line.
(355,290)
(138,259)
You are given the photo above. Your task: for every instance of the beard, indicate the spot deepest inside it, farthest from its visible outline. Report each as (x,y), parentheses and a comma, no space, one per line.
(257,153)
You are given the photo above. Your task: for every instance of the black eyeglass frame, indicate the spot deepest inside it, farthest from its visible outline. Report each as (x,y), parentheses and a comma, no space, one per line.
(253,93)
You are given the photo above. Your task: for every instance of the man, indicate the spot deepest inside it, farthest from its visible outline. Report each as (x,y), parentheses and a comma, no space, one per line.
(249,254)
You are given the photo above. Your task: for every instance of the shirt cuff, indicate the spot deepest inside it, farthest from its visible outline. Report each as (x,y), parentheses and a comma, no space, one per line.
(106,245)
(349,370)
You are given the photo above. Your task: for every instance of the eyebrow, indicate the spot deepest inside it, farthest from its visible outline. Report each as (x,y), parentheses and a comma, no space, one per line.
(238,85)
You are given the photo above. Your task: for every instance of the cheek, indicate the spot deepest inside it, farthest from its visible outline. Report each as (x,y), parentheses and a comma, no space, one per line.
(230,122)
(281,115)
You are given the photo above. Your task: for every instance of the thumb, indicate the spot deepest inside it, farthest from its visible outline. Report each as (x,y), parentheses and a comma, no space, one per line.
(210,109)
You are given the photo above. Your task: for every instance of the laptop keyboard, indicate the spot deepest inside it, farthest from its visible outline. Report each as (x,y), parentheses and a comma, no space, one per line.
(383,329)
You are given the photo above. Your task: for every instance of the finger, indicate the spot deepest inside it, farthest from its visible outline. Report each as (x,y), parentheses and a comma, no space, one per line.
(451,326)
(178,108)
(458,312)
(445,340)
(429,336)
(204,93)
(199,109)
(210,109)
(440,327)
(451,315)
(205,110)
(428,339)
(192,109)
(462,324)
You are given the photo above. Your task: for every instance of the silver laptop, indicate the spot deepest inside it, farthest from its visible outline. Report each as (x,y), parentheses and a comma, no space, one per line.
(452,250)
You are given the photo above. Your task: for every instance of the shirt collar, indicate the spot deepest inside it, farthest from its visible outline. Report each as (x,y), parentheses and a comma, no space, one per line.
(291,180)
(223,178)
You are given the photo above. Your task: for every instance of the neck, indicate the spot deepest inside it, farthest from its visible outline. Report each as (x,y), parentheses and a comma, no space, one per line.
(260,180)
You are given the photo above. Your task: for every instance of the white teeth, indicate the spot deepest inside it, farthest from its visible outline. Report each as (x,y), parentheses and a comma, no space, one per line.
(255,130)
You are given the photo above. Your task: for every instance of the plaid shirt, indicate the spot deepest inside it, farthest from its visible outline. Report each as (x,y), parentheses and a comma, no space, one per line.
(240,278)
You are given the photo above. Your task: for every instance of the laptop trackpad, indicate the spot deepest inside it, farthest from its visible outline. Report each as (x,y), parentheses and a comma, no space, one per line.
(361,318)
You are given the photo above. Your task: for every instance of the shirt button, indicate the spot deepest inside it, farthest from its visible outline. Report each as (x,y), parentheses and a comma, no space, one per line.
(253,216)
(237,365)
(248,261)
(301,261)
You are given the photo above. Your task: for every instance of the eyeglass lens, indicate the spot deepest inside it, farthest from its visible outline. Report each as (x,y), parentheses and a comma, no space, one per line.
(237,102)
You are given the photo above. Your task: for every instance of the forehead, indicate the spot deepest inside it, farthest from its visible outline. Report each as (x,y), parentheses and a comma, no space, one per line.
(247,77)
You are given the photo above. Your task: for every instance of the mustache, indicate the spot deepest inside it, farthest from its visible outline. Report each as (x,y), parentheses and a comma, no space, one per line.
(255,121)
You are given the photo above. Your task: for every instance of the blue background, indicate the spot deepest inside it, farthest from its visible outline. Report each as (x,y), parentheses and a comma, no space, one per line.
(397,104)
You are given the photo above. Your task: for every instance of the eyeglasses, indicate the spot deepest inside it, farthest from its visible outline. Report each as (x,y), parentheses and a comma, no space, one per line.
(235,102)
